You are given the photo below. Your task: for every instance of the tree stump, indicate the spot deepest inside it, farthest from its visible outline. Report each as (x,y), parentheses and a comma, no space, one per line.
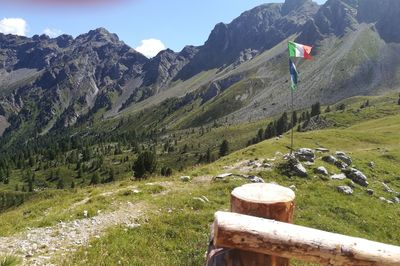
(262,200)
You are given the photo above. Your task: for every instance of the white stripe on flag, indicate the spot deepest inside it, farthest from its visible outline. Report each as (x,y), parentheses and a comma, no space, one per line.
(299,50)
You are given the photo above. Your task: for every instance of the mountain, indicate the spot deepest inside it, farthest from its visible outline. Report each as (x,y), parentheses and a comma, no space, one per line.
(252,32)
(239,74)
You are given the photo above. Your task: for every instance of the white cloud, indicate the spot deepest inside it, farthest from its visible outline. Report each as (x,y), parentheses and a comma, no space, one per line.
(52,33)
(16,26)
(150,47)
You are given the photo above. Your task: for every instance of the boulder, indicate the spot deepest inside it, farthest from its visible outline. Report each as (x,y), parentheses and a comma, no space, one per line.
(256,179)
(371,164)
(370,192)
(222,176)
(357,176)
(299,170)
(345,190)
(329,159)
(293,187)
(185,178)
(305,155)
(338,176)
(344,158)
(396,200)
(321,170)
(387,188)
(341,165)
(322,150)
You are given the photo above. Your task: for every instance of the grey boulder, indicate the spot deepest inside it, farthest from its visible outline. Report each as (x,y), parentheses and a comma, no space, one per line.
(305,155)
(329,159)
(344,158)
(338,176)
(321,170)
(357,176)
(345,190)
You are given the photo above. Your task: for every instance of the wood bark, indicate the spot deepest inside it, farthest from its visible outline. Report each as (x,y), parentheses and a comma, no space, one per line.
(275,238)
(262,200)
(269,201)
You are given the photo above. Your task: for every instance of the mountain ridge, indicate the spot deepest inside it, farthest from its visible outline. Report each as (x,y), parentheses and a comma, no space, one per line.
(72,79)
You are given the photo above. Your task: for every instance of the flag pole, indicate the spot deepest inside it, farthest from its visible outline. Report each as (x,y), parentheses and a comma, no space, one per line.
(291,139)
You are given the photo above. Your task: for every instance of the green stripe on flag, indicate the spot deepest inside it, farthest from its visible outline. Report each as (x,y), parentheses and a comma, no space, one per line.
(292,49)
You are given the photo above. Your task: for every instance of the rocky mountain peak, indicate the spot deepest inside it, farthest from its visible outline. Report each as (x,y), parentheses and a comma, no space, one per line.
(100,35)
(292,5)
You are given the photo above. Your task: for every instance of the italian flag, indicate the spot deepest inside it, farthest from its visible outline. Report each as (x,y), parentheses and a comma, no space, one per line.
(299,50)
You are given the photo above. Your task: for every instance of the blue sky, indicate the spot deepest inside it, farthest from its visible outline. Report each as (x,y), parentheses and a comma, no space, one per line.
(163,23)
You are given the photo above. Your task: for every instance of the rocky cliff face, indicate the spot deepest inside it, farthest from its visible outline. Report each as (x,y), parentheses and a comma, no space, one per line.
(254,31)
(54,83)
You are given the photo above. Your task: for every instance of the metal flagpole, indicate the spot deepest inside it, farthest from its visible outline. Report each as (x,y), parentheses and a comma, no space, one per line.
(291,140)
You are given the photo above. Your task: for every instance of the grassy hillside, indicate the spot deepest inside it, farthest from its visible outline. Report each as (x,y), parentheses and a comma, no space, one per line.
(174,226)
(179,237)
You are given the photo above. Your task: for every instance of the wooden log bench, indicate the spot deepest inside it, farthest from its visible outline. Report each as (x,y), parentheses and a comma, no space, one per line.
(258,232)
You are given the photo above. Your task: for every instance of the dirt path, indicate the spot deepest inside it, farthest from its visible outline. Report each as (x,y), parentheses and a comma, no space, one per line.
(38,246)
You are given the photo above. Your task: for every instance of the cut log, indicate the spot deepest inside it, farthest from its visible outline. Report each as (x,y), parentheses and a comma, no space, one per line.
(275,238)
(264,200)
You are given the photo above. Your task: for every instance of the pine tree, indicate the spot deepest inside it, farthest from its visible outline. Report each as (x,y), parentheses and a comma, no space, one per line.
(168,171)
(111,175)
(30,185)
(315,109)
(60,183)
(282,124)
(328,109)
(208,156)
(260,135)
(145,163)
(95,179)
(224,147)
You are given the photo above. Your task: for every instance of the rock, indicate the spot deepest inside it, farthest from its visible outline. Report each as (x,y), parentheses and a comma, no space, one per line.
(322,150)
(370,192)
(300,170)
(357,176)
(205,198)
(294,168)
(382,198)
(256,179)
(85,213)
(222,176)
(200,199)
(308,163)
(321,170)
(329,159)
(396,200)
(340,176)
(344,158)
(293,187)
(345,190)
(185,178)
(341,165)
(305,155)
(371,164)
(387,188)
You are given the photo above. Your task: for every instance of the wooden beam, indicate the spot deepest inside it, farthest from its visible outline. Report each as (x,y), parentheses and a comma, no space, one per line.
(232,230)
